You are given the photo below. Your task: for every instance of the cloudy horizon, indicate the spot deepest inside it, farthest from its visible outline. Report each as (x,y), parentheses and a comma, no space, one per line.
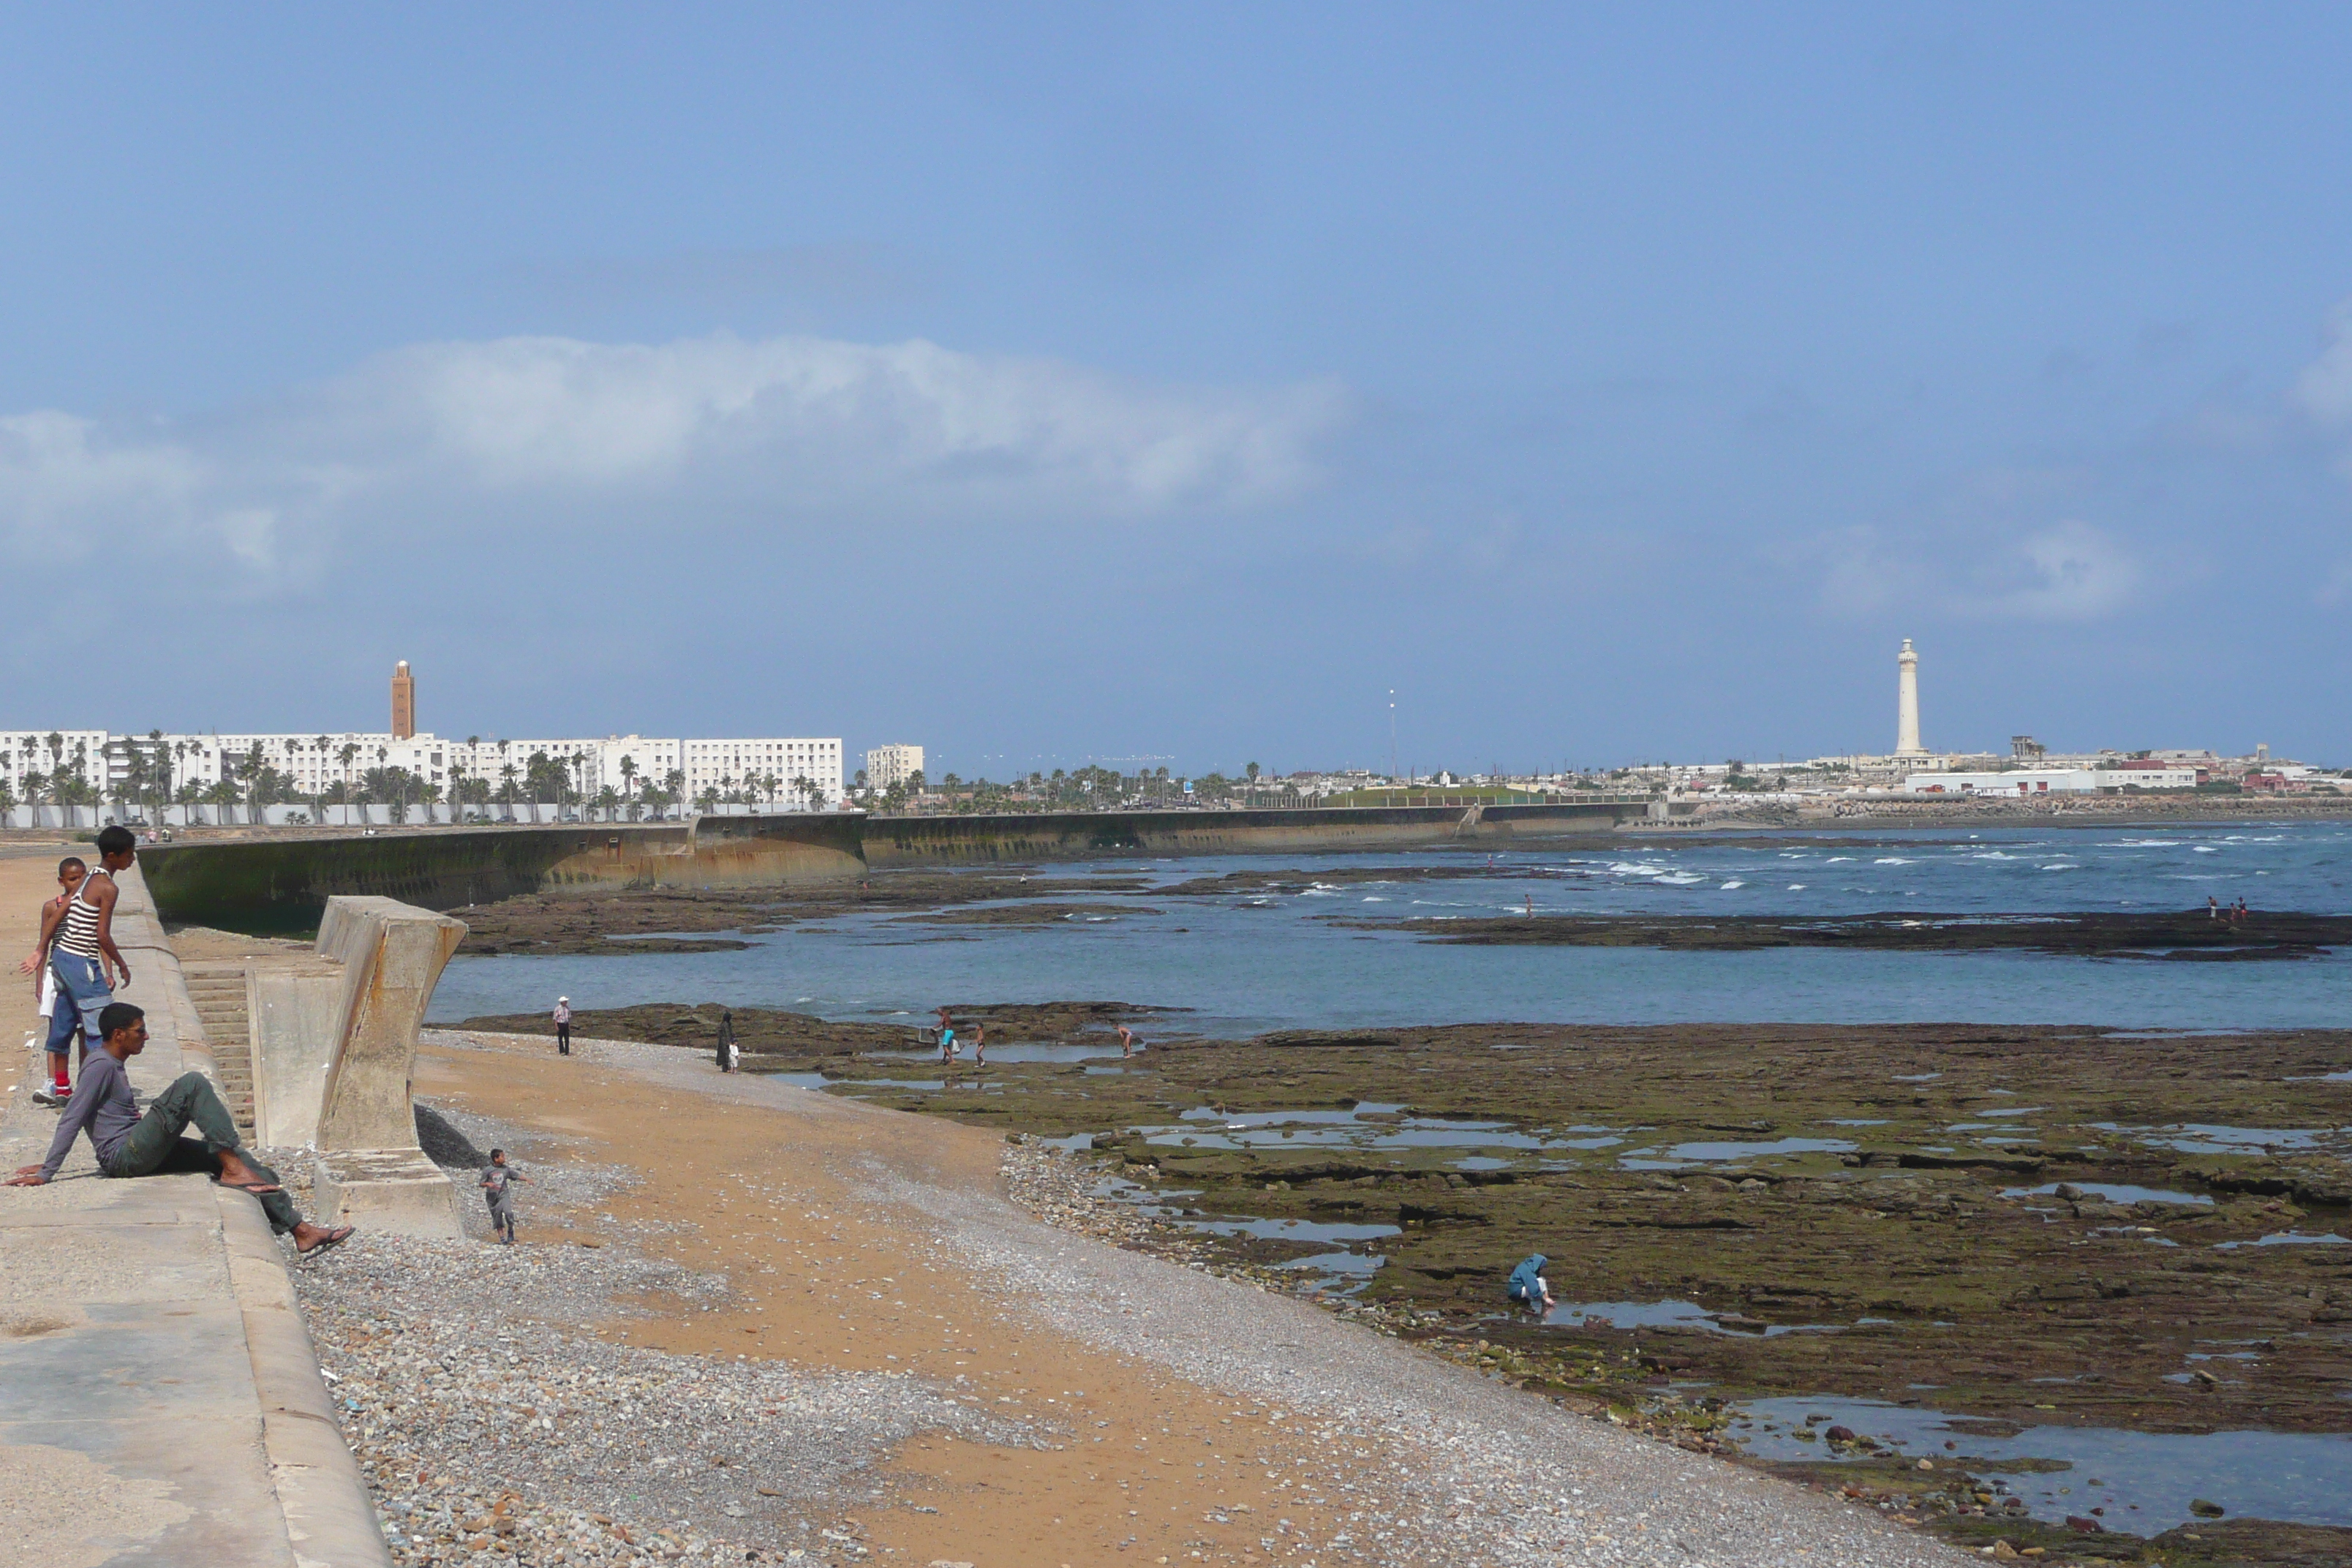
(1112,385)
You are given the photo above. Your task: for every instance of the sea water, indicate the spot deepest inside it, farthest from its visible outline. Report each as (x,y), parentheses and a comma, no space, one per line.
(1248,961)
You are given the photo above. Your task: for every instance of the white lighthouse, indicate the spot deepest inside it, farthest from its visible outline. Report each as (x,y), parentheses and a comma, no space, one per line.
(1907,703)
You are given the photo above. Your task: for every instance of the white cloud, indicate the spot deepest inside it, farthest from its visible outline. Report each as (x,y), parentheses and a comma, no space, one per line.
(2067,572)
(897,430)
(846,418)
(2071,573)
(63,485)
(2323,390)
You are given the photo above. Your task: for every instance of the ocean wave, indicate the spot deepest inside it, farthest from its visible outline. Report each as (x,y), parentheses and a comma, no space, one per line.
(1728,885)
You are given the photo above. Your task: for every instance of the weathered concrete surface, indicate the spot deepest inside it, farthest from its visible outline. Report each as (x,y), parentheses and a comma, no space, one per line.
(370,1170)
(284,883)
(159,1404)
(1060,835)
(295,1006)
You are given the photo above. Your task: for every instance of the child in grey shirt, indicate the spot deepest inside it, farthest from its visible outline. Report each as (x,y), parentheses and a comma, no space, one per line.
(494,1184)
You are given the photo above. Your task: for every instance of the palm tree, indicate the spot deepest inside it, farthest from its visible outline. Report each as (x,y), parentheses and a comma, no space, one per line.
(318,744)
(344,753)
(628,777)
(253,782)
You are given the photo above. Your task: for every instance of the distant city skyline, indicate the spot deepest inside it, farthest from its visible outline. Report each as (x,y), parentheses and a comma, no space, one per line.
(1111,382)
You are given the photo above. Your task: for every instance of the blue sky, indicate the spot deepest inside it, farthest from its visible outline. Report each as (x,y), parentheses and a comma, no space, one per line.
(1047,383)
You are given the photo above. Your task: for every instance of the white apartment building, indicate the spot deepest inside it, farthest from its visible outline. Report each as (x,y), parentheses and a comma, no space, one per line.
(24,751)
(315,763)
(888,765)
(590,764)
(728,765)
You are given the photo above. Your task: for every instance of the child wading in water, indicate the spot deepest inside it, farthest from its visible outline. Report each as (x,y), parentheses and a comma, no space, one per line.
(493,1183)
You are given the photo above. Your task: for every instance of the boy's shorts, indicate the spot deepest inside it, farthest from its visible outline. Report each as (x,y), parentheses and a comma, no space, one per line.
(82,995)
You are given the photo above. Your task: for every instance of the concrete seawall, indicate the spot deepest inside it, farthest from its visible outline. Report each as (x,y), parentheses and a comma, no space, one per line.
(972,840)
(263,884)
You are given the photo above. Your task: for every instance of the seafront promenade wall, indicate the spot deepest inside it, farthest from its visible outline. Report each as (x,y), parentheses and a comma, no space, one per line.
(265,883)
(974,840)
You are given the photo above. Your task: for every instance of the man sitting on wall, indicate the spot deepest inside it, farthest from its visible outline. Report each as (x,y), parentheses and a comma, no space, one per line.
(129,1145)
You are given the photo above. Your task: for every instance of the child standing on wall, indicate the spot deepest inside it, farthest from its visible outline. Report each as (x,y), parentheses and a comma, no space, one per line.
(494,1184)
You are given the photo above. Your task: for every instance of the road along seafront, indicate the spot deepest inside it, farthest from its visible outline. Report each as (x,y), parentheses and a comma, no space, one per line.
(747,1321)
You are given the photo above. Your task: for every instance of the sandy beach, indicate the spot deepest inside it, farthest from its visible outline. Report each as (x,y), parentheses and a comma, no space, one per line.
(1136,1410)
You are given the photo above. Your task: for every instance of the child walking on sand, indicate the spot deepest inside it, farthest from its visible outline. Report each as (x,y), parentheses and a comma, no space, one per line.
(495,1188)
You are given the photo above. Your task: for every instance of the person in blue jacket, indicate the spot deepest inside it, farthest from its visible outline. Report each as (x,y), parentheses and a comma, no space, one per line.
(1528,1287)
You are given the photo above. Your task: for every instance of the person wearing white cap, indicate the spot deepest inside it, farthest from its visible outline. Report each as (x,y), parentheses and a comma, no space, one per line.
(564,1025)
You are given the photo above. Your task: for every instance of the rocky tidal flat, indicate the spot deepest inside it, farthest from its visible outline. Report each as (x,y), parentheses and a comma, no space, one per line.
(2126,1229)
(2188,935)
(609,923)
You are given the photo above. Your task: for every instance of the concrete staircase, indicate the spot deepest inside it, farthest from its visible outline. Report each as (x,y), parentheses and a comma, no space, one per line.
(219,993)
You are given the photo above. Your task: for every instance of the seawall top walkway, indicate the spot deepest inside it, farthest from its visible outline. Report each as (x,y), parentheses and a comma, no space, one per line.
(160,1401)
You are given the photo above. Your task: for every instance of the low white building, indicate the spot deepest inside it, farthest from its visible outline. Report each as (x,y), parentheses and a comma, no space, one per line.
(888,765)
(2019,781)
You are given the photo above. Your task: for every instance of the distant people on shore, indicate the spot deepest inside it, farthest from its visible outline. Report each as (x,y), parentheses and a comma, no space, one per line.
(2212,908)
(979,1047)
(1125,1041)
(129,1145)
(497,1190)
(1528,1288)
(728,1054)
(564,1025)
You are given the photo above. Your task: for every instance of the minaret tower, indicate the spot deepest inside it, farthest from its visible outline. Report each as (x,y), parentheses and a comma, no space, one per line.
(1907,703)
(404,701)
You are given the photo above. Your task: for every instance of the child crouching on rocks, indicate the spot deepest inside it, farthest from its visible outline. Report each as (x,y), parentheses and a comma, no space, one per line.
(494,1184)
(1528,1288)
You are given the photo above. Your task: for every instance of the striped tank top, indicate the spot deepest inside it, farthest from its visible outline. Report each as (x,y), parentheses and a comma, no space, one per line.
(78,932)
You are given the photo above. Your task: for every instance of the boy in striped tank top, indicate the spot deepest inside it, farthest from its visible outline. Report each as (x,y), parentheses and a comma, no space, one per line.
(79,951)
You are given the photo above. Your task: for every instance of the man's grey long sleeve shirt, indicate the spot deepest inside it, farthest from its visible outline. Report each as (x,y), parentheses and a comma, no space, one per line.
(103,1103)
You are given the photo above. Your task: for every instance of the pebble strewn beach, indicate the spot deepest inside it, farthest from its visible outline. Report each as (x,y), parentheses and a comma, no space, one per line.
(490,1431)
